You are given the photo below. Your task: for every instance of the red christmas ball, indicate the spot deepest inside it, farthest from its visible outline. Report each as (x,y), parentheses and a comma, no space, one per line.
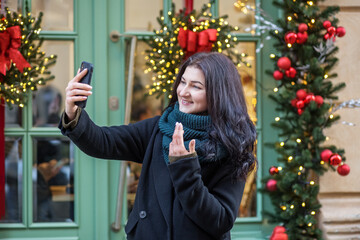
(326,24)
(290,37)
(300,104)
(309,98)
(278,75)
(284,63)
(301,94)
(302,37)
(326,36)
(319,100)
(293,102)
(271,185)
(331,31)
(335,159)
(300,111)
(302,27)
(340,31)
(325,155)
(273,170)
(291,72)
(343,169)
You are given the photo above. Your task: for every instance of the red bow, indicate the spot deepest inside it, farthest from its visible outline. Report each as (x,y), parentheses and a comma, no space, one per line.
(194,42)
(279,233)
(10,42)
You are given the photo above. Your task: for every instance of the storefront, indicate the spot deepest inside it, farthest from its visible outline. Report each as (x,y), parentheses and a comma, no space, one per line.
(80,200)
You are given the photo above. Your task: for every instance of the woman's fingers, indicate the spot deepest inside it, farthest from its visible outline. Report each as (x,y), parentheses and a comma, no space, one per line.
(192,146)
(177,147)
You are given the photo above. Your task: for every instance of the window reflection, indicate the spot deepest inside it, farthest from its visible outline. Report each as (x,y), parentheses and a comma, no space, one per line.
(53,180)
(47,106)
(238,13)
(13,180)
(13,116)
(145,17)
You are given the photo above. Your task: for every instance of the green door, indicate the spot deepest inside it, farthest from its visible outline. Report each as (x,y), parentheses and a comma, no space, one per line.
(80,199)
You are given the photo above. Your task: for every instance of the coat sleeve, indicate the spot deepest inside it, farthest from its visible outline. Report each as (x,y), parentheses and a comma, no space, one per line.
(126,142)
(214,207)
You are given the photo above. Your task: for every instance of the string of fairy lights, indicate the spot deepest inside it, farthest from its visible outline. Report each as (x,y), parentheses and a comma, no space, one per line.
(15,84)
(166,55)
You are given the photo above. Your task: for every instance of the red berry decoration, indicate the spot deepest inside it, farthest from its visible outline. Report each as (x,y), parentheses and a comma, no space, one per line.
(300,111)
(309,98)
(343,169)
(326,36)
(325,155)
(302,27)
(300,104)
(335,159)
(301,94)
(326,24)
(293,102)
(278,75)
(291,72)
(273,170)
(284,63)
(302,37)
(271,185)
(319,100)
(290,37)
(279,233)
(331,31)
(340,31)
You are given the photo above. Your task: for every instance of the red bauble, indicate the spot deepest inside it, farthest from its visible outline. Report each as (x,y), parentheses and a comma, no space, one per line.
(284,63)
(309,98)
(279,233)
(331,31)
(335,159)
(343,169)
(326,36)
(340,31)
(300,111)
(278,75)
(290,37)
(326,24)
(271,185)
(325,155)
(293,102)
(300,104)
(302,27)
(302,37)
(301,94)
(273,170)
(291,72)
(319,100)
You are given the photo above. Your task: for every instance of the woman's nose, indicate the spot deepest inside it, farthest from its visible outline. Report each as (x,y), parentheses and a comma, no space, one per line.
(184,91)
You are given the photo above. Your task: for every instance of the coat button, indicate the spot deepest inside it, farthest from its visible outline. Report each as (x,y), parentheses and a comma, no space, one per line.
(142,214)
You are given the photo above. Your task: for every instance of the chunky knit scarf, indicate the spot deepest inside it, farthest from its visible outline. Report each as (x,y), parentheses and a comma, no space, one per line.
(195,127)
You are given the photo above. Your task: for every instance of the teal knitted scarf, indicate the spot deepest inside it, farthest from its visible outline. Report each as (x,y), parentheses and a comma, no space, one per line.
(195,127)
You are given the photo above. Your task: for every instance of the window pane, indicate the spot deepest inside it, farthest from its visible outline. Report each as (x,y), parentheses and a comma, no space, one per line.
(48,100)
(13,180)
(53,180)
(238,14)
(143,107)
(13,5)
(13,116)
(248,79)
(58,14)
(145,17)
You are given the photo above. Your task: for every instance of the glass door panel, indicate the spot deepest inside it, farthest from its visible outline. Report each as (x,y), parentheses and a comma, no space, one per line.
(53,180)
(13,116)
(59,14)
(13,180)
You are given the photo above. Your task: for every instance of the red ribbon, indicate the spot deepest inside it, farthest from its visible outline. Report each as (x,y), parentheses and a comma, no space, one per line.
(189,6)
(10,42)
(193,42)
(2,158)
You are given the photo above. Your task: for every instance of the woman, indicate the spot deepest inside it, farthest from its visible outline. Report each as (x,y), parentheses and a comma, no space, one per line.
(195,157)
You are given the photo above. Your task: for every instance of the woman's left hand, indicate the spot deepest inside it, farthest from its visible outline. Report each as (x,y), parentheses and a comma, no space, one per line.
(177,147)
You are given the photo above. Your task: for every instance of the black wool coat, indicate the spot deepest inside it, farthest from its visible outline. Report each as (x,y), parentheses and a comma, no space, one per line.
(179,201)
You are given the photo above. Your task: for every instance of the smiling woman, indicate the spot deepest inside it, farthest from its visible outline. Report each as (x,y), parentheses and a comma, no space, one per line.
(191,91)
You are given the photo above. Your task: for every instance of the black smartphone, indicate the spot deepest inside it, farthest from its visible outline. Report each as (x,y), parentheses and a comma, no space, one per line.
(86,79)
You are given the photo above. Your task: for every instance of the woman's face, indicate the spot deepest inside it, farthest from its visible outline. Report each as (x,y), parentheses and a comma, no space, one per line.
(191,91)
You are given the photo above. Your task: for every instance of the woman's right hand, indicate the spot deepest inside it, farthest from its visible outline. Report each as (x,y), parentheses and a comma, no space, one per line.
(75,92)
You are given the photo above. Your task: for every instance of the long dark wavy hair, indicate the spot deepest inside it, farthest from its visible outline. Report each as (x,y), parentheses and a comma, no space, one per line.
(231,124)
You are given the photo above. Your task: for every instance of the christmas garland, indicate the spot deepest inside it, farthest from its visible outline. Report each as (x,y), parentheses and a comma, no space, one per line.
(183,34)
(23,66)
(305,40)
